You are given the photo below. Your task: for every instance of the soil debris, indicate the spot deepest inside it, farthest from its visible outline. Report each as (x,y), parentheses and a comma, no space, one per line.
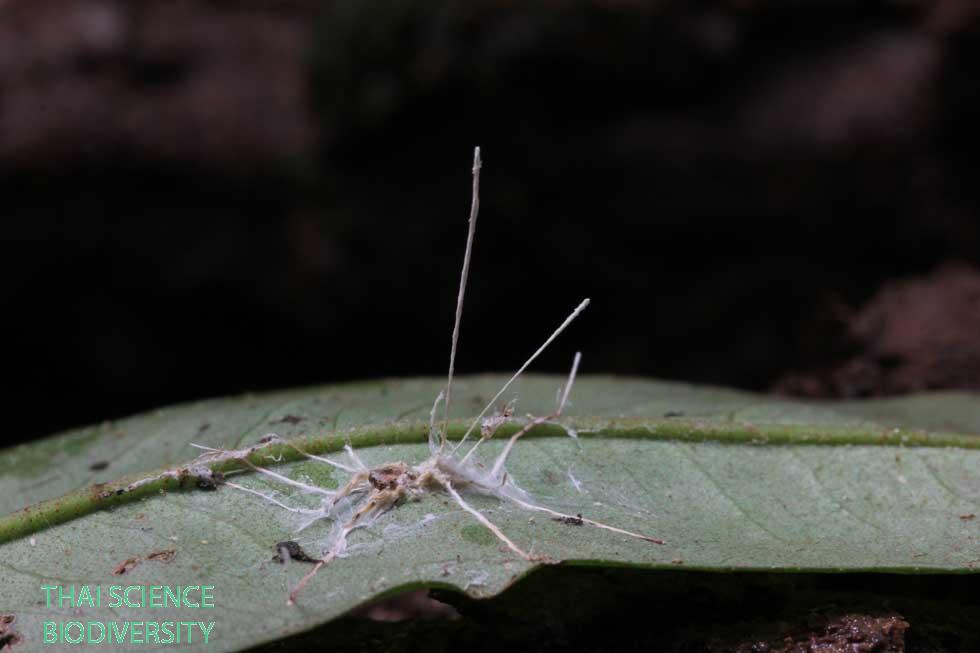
(969,517)
(292,551)
(99,465)
(851,633)
(571,521)
(289,419)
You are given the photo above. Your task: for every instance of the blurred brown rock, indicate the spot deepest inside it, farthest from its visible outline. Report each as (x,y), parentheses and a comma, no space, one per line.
(916,334)
(217,85)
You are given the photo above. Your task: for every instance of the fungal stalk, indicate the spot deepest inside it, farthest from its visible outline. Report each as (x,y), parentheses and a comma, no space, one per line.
(371,492)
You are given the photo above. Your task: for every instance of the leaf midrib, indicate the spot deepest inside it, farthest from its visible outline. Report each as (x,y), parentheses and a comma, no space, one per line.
(84,501)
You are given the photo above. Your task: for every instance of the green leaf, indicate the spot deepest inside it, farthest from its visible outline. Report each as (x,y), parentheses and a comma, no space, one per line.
(731,481)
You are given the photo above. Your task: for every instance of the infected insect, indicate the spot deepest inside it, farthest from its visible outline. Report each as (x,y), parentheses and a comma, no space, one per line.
(371,492)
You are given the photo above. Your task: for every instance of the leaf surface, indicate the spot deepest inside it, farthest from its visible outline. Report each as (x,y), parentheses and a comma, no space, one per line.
(732,481)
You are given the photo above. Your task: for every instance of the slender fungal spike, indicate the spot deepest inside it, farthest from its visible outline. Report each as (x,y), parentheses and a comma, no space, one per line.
(435,441)
(370,492)
(571,380)
(304,511)
(289,481)
(486,522)
(560,406)
(568,320)
(470,236)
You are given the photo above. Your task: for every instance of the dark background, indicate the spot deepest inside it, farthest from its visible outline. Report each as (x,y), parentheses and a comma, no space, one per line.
(202,198)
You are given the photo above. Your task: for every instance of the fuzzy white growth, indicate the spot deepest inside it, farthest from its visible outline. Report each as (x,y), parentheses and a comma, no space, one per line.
(470,236)
(435,438)
(273,500)
(213,455)
(288,481)
(502,458)
(568,320)
(201,471)
(564,516)
(311,456)
(353,456)
(371,492)
(534,421)
(571,379)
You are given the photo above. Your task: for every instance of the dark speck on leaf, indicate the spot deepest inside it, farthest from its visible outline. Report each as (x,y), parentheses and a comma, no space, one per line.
(293,550)
(674,413)
(571,521)
(209,483)
(289,419)
(164,555)
(99,465)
